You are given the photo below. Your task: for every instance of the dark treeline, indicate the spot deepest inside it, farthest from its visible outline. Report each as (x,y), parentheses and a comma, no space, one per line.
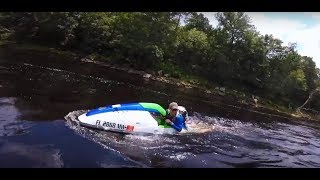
(233,54)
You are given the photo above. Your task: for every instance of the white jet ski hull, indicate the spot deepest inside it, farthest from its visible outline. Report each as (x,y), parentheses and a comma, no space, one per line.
(132,120)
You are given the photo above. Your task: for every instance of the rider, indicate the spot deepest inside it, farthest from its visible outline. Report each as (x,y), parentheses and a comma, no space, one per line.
(173,118)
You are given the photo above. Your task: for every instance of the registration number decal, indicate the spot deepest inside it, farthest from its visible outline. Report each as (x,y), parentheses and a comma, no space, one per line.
(114,125)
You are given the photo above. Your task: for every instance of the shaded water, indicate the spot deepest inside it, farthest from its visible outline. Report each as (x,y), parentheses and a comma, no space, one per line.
(39,102)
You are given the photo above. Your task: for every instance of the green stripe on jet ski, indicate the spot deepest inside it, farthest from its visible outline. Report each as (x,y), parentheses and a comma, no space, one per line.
(155,107)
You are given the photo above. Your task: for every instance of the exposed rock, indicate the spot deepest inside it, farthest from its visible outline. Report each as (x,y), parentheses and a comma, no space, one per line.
(131,71)
(255,100)
(186,85)
(164,80)
(259,80)
(166,75)
(222,89)
(147,75)
(85,59)
(221,93)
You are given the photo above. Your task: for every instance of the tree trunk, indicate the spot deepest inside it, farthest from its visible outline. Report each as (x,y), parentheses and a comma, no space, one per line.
(178,23)
(309,99)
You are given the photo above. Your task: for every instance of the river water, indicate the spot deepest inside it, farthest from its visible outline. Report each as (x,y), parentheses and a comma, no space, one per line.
(40,100)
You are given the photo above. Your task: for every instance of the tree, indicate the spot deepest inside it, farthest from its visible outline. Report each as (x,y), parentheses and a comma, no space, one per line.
(199,22)
(309,99)
(145,39)
(233,33)
(234,25)
(55,28)
(192,49)
(95,32)
(315,83)
(310,71)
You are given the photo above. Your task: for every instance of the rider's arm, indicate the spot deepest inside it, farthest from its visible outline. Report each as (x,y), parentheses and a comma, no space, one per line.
(178,123)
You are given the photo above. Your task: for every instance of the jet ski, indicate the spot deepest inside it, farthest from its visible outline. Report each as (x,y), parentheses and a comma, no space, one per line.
(131,118)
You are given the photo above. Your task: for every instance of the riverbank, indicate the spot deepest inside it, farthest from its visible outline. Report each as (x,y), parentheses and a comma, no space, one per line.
(221,97)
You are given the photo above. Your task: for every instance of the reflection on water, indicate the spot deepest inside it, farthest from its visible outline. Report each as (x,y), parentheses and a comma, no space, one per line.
(9,119)
(36,96)
(43,156)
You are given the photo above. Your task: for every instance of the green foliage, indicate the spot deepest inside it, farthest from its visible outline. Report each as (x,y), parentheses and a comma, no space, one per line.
(298,79)
(192,50)
(172,70)
(199,22)
(233,54)
(95,32)
(193,39)
(4,34)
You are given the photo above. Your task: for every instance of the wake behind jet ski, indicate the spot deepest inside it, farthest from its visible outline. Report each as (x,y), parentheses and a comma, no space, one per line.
(131,118)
